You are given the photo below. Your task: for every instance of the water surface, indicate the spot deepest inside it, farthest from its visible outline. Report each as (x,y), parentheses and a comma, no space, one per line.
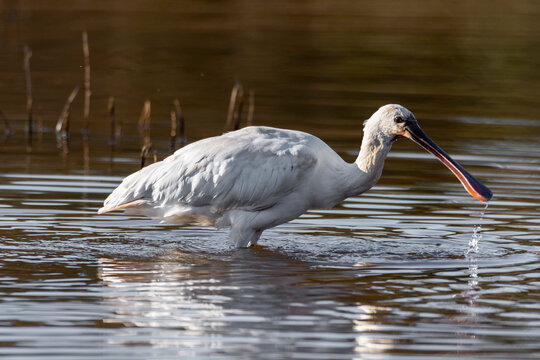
(384,275)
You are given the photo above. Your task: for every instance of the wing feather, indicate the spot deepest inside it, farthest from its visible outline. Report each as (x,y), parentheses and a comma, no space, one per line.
(249,169)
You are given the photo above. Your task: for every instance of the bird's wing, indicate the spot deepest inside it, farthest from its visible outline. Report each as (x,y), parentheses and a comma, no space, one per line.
(240,170)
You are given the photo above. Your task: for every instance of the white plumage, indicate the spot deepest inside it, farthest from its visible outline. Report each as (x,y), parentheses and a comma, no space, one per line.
(256,178)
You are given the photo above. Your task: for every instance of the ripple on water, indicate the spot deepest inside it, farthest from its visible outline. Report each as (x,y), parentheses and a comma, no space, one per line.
(384,273)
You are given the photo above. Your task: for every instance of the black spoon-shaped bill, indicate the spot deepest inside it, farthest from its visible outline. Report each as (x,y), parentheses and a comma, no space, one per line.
(471,184)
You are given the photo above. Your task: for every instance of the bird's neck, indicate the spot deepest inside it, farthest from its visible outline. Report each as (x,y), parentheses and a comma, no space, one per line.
(352,179)
(371,158)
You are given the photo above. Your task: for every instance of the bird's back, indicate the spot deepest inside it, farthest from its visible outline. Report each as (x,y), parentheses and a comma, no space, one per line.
(249,169)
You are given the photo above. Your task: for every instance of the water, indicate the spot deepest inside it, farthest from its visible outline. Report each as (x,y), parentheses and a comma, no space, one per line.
(472,250)
(393,273)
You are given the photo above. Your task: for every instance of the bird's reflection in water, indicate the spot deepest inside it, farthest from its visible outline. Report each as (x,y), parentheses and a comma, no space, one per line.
(154,302)
(244,302)
(365,341)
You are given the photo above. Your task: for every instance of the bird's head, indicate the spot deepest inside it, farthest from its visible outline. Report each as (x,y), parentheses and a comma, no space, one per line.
(392,122)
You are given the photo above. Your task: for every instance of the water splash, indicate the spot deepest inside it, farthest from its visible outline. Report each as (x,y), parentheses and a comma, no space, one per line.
(472,250)
(471,294)
(471,254)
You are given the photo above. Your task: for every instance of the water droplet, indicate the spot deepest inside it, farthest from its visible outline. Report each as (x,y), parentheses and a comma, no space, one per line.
(476,236)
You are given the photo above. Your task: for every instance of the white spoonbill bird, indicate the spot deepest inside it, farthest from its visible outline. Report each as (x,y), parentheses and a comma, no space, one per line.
(259,177)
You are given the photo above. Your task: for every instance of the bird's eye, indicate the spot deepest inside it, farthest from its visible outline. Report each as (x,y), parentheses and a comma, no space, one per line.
(398,119)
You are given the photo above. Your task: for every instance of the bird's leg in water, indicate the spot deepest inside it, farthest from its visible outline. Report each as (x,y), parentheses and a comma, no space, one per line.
(254,238)
(243,238)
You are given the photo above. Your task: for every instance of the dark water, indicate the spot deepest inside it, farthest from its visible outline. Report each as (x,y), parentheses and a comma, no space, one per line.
(383,275)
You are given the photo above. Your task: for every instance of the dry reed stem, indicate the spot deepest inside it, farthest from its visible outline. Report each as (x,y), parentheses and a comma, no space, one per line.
(235,107)
(238,107)
(251,107)
(144,130)
(230,112)
(145,150)
(180,123)
(62,125)
(172,145)
(144,120)
(87,92)
(29,98)
(113,131)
